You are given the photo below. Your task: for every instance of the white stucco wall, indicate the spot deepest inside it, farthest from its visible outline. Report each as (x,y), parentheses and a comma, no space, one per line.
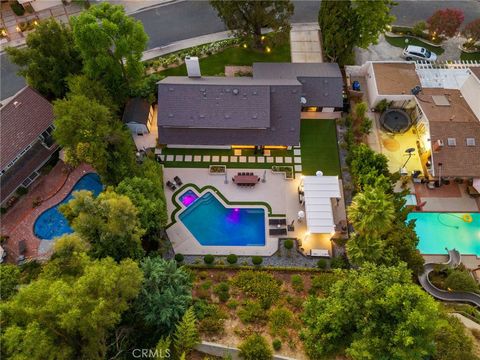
(471,92)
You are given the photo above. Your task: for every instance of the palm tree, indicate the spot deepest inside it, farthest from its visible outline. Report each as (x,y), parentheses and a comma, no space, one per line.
(361,249)
(372,212)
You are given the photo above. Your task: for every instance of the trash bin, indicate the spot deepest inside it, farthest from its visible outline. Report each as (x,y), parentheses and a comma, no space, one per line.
(356,86)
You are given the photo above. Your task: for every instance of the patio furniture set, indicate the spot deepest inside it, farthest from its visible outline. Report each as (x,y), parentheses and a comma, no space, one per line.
(245,179)
(176,182)
(278,227)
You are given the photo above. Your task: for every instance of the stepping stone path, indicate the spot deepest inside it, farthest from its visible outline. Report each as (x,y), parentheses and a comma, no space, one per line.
(288,159)
(297,152)
(279,160)
(297,160)
(197,158)
(224,158)
(188,157)
(269,159)
(233,159)
(243,159)
(206,158)
(251,159)
(215,158)
(261,159)
(170,157)
(298,168)
(178,157)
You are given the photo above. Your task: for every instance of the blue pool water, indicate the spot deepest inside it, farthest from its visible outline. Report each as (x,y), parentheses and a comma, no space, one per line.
(188,198)
(214,225)
(51,223)
(437,231)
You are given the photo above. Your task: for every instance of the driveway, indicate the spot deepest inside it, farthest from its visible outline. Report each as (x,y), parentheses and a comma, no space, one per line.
(382,51)
(305,43)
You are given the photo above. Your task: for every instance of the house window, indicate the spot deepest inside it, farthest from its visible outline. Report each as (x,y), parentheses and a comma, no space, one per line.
(47,138)
(470,141)
(451,142)
(30,179)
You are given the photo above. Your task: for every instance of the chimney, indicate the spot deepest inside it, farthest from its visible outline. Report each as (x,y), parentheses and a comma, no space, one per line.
(193,67)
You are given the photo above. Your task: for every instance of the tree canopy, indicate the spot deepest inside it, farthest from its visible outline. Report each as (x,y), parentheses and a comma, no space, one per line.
(111,44)
(472,31)
(89,133)
(246,18)
(445,22)
(69,317)
(49,57)
(372,313)
(350,23)
(9,280)
(451,342)
(109,223)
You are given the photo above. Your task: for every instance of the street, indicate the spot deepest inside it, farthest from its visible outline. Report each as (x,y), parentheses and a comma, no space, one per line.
(185,19)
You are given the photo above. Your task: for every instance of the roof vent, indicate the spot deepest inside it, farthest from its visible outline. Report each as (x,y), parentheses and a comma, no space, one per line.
(170,115)
(255,92)
(470,141)
(17,104)
(451,142)
(193,66)
(440,100)
(303,100)
(235,91)
(325,94)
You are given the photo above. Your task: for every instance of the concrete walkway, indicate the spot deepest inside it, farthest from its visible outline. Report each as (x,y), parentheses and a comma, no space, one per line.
(469,324)
(305,44)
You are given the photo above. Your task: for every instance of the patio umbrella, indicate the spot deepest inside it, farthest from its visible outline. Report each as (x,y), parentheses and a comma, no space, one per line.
(476,184)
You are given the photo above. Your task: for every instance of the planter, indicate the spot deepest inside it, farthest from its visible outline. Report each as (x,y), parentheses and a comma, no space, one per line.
(287,171)
(393,35)
(217,169)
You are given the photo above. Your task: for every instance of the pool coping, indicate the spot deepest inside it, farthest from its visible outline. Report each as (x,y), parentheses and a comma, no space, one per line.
(177,230)
(443,212)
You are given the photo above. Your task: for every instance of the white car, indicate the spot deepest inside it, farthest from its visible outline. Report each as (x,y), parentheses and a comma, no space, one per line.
(412,52)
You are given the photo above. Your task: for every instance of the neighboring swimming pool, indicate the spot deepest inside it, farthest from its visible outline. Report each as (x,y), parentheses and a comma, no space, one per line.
(51,223)
(438,231)
(214,225)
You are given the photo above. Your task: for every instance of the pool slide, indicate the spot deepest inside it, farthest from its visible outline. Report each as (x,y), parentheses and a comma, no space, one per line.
(457,296)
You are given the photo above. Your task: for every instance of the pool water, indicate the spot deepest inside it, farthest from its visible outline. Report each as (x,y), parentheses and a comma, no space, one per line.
(188,198)
(51,223)
(438,231)
(214,225)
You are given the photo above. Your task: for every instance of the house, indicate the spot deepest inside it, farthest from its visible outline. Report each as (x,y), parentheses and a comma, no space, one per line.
(138,116)
(259,111)
(39,5)
(26,142)
(443,101)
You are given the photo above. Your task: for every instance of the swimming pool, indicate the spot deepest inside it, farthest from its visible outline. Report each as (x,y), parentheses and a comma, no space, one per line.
(188,198)
(51,223)
(437,231)
(214,225)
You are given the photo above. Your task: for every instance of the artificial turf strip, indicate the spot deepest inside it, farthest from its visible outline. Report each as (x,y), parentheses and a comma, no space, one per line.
(470,56)
(318,139)
(400,42)
(215,64)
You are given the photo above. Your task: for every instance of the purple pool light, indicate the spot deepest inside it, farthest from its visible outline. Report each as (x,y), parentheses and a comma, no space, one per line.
(188,198)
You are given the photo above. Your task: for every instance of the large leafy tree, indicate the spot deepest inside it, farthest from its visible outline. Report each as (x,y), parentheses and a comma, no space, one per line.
(372,313)
(445,22)
(350,23)
(49,57)
(89,133)
(109,223)
(69,317)
(368,167)
(111,44)
(451,342)
(9,280)
(165,295)
(246,18)
(92,89)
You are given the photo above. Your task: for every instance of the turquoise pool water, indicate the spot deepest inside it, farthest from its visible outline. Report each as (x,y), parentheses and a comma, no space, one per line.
(51,223)
(440,230)
(214,225)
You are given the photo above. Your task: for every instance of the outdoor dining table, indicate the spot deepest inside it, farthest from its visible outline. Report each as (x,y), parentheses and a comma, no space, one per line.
(245,179)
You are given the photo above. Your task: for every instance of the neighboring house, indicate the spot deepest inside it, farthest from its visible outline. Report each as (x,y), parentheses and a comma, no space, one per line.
(39,5)
(223,112)
(444,103)
(138,116)
(26,143)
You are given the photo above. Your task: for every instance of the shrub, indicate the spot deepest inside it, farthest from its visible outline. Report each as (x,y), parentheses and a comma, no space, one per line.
(459,280)
(204,309)
(288,244)
(257,260)
(323,283)
(383,105)
(279,320)
(297,283)
(209,259)
(179,258)
(295,301)
(277,344)
(255,347)
(203,275)
(17,8)
(212,325)
(232,304)
(206,285)
(339,262)
(252,311)
(22,191)
(259,285)
(419,28)
(232,259)
(203,293)
(222,290)
(322,264)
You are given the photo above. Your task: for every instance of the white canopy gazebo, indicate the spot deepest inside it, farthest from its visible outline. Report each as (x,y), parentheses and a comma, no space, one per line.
(318,192)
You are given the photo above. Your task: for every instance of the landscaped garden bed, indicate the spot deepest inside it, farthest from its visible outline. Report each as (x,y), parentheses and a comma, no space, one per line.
(401,42)
(286,170)
(217,169)
(458,279)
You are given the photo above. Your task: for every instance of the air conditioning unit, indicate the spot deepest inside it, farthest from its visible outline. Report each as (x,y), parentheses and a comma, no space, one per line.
(440,143)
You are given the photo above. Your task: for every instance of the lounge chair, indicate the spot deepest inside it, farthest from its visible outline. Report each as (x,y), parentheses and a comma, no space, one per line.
(278,232)
(178,181)
(171,186)
(274,222)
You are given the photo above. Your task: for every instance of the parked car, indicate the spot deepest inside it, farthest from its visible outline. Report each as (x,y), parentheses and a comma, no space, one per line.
(418,53)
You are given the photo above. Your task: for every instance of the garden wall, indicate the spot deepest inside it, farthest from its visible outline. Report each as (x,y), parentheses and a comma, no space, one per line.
(222,350)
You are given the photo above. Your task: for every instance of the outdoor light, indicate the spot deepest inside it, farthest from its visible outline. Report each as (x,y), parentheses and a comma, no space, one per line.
(245,46)
(268,49)
(410,152)
(263,37)
(17,28)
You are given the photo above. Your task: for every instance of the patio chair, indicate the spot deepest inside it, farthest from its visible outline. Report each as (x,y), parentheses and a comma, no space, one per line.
(178,181)
(278,232)
(171,186)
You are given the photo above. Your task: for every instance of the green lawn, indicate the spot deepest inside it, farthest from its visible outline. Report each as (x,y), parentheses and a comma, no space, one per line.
(215,64)
(470,57)
(400,42)
(318,139)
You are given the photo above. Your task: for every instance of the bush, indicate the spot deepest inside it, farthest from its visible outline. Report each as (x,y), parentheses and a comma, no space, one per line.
(459,280)
(279,320)
(339,262)
(206,285)
(17,8)
(209,259)
(297,283)
(212,325)
(322,264)
(288,244)
(277,344)
(232,304)
(257,260)
(22,191)
(252,311)
(222,290)
(323,283)
(295,301)
(259,285)
(255,347)
(203,275)
(179,258)
(419,28)
(232,259)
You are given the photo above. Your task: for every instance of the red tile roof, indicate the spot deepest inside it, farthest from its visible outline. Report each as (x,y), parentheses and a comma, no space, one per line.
(22,120)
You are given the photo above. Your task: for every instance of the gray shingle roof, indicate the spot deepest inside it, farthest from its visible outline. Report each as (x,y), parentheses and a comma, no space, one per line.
(136,111)
(322,83)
